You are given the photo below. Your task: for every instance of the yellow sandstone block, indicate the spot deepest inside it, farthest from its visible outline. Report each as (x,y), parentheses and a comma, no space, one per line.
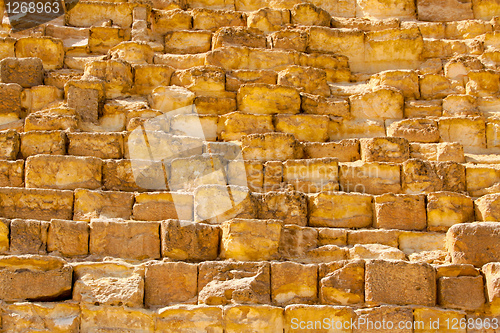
(312,175)
(87,14)
(196,318)
(262,98)
(186,41)
(101,318)
(378,104)
(371,178)
(101,39)
(235,125)
(102,204)
(468,131)
(445,209)
(49,50)
(304,127)
(257,318)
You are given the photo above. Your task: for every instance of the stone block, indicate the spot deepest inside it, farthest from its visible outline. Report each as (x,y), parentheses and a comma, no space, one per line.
(11,99)
(273,176)
(248,240)
(197,318)
(491,273)
(288,39)
(473,243)
(461,293)
(28,236)
(27,72)
(49,50)
(34,278)
(420,177)
(326,253)
(42,204)
(371,178)
(268,20)
(400,211)
(404,80)
(460,105)
(7,47)
(470,132)
(382,9)
(116,74)
(336,66)
(342,283)
(413,242)
(125,175)
(132,52)
(63,172)
(108,283)
(309,15)
(212,19)
(102,145)
(394,150)
(308,79)
(238,36)
(290,207)
(253,177)
(435,319)
(485,9)
(486,208)
(85,102)
(269,147)
(311,175)
(415,130)
(435,86)
(297,243)
(147,77)
(183,240)
(344,150)
(180,61)
(301,290)
(215,105)
(375,236)
(456,270)
(440,152)
(57,317)
(375,251)
(307,317)
(204,80)
(93,14)
(391,315)
(236,78)
(379,104)
(445,209)
(165,99)
(102,204)
(226,282)
(340,210)
(125,239)
(102,39)
(261,318)
(167,283)
(304,127)
(400,283)
(69,238)
(259,98)
(314,104)
(423,108)
(9,144)
(482,83)
(235,125)
(165,21)
(482,179)
(492,133)
(42,97)
(157,206)
(332,236)
(102,318)
(449,10)
(459,66)
(452,174)
(186,41)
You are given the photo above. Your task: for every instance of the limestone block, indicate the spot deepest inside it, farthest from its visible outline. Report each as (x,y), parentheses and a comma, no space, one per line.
(441,152)
(378,104)
(125,239)
(165,21)
(473,243)
(34,278)
(336,66)
(486,208)
(238,36)
(180,61)
(449,10)
(415,129)
(314,104)
(467,29)
(341,283)
(308,14)
(299,243)
(104,318)
(63,172)
(4,235)
(108,283)
(391,315)
(132,52)
(485,9)
(459,66)
(7,47)
(404,80)
(214,105)
(148,77)
(212,19)
(435,86)
(186,41)
(268,20)
(420,176)
(422,109)
(413,242)
(344,150)
(43,97)
(400,283)
(445,209)
(12,173)
(456,270)
(386,9)
(189,173)
(355,128)
(86,97)
(212,4)
(119,175)
(309,79)
(273,176)
(382,237)
(332,236)
(288,39)
(304,127)
(42,204)
(435,48)
(437,319)
(461,293)
(365,23)
(261,318)
(470,132)
(9,144)
(290,207)
(384,150)
(482,179)
(375,251)
(197,318)
(94,13)
(340,210)
(400,211)
(311,175)
(11,99)
(248,240)
(49,50)
(102,204)
(262,98)
(301,290)
(482,83)
(56,317)
(27,72)
(202,79)
(492,133)
(183,240)
(226,282)
(326,253)
(371,178)
(306,318)
(269,147)
(157,206)
(28,236)
(101,39)
(69,238)
(170,283)
(116,74)
(235,125)
(102,145)
(491,273)
(236,78)
(170,98)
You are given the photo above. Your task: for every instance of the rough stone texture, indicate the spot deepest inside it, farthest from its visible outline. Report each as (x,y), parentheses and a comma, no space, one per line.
(462,293)
(262,98)
(103,318)
(290,207)
(27,72)
(301,290)
(11,98)
(69,238)
(437,319)
(157,206)
(309,314)
(102,145)
(445,209)
(261,318)
(342,283)
(101,204)
(197,318)
(28,236)
(384,150)
(371,178)
(398,211)
(42,142)
(492,275)
(393,314)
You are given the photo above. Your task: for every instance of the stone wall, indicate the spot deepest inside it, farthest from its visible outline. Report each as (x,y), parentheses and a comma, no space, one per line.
(252,166)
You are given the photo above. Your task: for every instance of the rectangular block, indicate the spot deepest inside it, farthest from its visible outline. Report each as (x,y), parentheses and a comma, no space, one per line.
(312,175)
(197,318)
(102,145)
(269,147)
(102,204)
(344,150)
(287,206)
(28,236)
(314,104)
(470,132)
(491,272)
(136,175)
(445,209)
(236,78)
(461,293)
(449,10)
(380,103)
(260,98)
(130,239)
(43,142)
(50,50)
(392,315)
(371,178)
(441,152)
(415,242)
(41,204)
(420,177)
(318,318)
(101,39)
(213,18)
(235,125)
(261,318)
(9,144)
(11,100)
(386,149)
(342,283)
(63,172)
(12,173)
(376,236)
(302,290)
(104,318)
(437,319)
(400,211)
(157,206)
(305,127)
(69,238)
(416,130)
(482,179)
(300,243)
(186,41)
(165,21)
(90,14)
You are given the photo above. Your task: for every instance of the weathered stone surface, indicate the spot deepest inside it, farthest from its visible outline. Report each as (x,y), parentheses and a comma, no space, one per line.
(63,172)
(381,236)
(308,315)
(340,210)
(85,101)
(473,243)
(28,236)
(223,282)
(89,14)
(461,293)
(311,175)
(309,79)
(342,283)
(102,204)
(304,127)
(157,206)
(185,41)
(102,39)
(470,132)
(116,74)
(449,10)
(269,147)
(379,104)
(27,72)
(415,130)
(170,283)
(371,178)
(197,318)
(120,318)
(301,290)
(131,239)
(34,278)
(415,242)
(441,152)
(287,206)
(391,315)
(263,98)
(437,319)
(69,238)
(400,211)
(404,80)
(385,149)
(11,99)
(375,251)
(261,318)
(170,98)
(482,83)
(486,208)
(42,142)
(102,145)
(491,273)
(164,21)
(401,283)
(445,209)
(297,243)
(482,179)
(420,177)
(212,19)
(49,50)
